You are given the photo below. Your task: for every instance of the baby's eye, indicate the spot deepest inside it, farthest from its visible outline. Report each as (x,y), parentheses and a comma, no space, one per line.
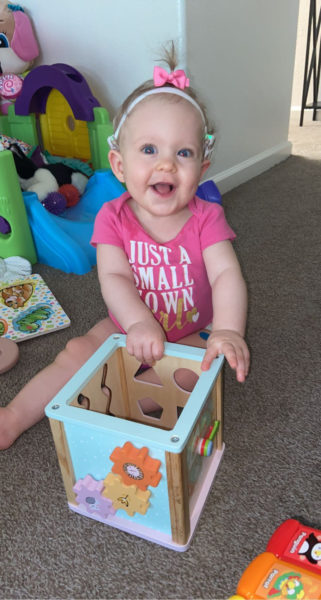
(4,42)
(185,153)
(149,149)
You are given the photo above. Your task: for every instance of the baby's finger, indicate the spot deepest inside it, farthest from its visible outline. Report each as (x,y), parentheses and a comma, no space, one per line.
(147,354)
(130,347)
(157,350)
(152,351)
(208,358)
(241,371)
(243,364)
(135,349)
(231,355)
(235,359)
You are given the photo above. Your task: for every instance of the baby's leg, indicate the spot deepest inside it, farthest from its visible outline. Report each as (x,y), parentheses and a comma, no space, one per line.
(27,408)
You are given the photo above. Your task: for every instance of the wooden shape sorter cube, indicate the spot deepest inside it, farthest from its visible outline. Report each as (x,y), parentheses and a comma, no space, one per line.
(139,448)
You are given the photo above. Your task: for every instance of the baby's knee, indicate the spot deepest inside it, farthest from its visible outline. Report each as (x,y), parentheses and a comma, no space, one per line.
(76,352)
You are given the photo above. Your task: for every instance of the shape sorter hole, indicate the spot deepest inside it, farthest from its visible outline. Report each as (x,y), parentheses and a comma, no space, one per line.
(179,411)
(96,395)
(146,374)
(185,379)
(104,387)
(83,401)
(150,408)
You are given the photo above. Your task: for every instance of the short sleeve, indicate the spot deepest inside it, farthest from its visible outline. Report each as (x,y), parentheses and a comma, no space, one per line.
(107,229)
(213,225)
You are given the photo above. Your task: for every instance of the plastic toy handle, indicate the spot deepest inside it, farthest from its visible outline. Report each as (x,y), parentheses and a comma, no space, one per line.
(212,430)
(204,447)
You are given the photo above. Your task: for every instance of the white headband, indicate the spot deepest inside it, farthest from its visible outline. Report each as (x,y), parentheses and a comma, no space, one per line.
(159,90)
(209,139)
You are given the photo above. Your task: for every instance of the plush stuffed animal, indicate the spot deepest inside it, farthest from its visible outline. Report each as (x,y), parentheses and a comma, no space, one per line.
(18,49)
(47,179)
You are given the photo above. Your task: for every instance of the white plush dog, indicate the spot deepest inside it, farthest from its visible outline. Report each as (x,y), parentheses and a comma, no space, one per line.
(18,49)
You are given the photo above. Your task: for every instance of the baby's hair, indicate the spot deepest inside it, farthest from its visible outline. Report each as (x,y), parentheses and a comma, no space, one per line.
(169,57)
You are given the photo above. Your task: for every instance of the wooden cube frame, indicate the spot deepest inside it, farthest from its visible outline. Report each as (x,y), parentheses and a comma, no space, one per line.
(139,472)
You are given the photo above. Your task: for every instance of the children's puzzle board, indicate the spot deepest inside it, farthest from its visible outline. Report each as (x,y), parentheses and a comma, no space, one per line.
(28,308)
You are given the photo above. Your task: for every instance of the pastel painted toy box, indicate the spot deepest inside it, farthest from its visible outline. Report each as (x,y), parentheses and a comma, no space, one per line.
(138,449)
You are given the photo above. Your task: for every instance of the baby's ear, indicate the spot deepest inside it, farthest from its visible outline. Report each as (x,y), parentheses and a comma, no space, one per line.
(204,167)
(116,164)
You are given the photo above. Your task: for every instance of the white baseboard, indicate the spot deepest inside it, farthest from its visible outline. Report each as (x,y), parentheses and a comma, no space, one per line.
(242,172)
(307,115)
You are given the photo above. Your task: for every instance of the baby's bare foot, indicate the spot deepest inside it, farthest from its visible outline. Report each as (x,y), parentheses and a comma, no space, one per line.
(10,427)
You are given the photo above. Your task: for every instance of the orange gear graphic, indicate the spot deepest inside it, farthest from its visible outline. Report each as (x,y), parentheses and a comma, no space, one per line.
(135,466)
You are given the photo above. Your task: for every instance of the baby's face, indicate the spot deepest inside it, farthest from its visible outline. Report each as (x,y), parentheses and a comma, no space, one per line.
(161,154)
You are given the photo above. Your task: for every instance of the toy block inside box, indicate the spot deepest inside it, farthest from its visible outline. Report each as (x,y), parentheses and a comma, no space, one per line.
(139,448)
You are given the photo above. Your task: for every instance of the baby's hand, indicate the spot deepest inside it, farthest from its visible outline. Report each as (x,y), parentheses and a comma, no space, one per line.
(145,341)
(232,345)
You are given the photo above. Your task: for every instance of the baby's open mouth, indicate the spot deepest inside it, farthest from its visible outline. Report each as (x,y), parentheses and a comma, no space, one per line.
(163,188)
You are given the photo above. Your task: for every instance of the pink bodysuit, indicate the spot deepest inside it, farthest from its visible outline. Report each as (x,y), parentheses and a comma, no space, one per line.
(170,277)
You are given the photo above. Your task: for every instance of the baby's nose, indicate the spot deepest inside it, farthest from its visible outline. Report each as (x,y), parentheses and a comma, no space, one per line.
(167,164)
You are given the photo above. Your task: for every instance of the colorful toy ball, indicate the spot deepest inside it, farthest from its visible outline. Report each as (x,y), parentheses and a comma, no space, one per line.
(71,194)
(55,203)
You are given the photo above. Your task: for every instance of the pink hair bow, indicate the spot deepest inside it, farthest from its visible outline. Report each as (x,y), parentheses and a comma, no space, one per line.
(176,78)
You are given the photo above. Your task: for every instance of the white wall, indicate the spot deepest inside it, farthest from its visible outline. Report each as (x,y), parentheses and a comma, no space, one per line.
(113,43)
(242,57)
(240,54)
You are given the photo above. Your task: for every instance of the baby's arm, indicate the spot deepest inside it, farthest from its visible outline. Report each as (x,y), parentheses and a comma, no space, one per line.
(145,336)
(229,297)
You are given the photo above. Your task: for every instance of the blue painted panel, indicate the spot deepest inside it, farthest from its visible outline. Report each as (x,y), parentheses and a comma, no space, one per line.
(90,450)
